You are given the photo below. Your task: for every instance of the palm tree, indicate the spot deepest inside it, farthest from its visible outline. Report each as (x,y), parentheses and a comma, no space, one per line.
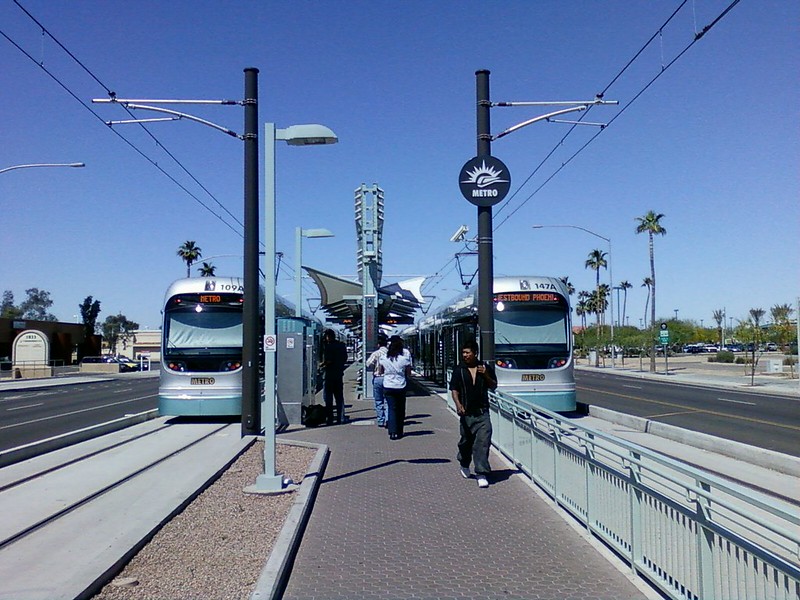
(719,317)
(755,319)
(624,286)
(646,282)
(570,288)
(189,253)
(596,261)
(651,224)
(207,270)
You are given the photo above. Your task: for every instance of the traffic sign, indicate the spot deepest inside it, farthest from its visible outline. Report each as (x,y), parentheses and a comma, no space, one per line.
(663,336)
(270,343)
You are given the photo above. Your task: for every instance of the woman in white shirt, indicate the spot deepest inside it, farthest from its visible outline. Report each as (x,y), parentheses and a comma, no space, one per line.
(396,367)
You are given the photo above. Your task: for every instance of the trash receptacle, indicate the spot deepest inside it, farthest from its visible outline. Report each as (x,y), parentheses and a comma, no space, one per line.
(774,366)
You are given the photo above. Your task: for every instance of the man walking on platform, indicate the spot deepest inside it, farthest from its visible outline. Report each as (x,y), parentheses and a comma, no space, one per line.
(334,359)
(469,388)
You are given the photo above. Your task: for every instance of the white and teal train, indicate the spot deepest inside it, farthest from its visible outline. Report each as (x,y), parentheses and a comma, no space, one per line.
(533,339)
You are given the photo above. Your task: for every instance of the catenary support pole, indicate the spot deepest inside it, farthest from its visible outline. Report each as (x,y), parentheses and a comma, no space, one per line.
(485,260)
(251,401)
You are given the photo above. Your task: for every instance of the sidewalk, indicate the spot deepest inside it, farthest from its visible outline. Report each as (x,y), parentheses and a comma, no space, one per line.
(395,519)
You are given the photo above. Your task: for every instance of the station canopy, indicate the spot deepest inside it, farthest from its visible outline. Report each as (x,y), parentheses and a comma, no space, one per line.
(341,299)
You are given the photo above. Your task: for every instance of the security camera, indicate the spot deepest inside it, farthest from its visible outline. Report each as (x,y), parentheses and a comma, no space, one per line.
(460,235)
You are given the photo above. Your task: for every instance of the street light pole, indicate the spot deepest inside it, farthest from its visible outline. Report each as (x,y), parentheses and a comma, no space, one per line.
(299,234)
(78,164)
(610,279)
(296,135)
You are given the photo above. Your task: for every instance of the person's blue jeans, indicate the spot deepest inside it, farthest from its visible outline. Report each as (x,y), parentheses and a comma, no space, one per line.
(476,439)
(380,400)
(396,403)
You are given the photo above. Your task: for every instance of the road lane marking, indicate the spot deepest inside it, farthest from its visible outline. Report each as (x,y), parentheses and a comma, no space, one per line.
(699,410)
(26,406)
(635,387)
(672,414)
(737,401)
(75,412)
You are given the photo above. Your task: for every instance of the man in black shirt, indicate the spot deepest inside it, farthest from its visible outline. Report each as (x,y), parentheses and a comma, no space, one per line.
(469,388)
(334,359)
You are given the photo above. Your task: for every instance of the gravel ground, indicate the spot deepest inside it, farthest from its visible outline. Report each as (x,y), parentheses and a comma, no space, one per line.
(214,549)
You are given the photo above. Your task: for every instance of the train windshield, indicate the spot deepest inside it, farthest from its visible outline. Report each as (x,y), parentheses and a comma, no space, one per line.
(199,324)
(538,329)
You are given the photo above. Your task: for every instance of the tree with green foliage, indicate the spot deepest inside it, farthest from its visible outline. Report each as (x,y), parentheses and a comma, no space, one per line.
(756,315)
(719,318)
(89,308)
(8,310)
(117,329)
(35,306)
(189,253)
(651,225)
(647,282)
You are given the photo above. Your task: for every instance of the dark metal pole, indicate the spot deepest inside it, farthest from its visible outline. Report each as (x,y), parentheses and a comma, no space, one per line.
(251,422)
(485,263)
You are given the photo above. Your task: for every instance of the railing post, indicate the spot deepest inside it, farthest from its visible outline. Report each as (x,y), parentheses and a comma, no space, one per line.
(705,544)
(635,495)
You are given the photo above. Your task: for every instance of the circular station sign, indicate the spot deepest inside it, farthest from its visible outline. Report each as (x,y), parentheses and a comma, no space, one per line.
(484,180)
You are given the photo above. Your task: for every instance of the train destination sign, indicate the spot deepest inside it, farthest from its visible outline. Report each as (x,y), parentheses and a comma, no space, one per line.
(484,180)
(527,297)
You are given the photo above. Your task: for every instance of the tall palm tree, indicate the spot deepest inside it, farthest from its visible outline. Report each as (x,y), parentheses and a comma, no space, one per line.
(624,286)
(651,224)
(646,282)
(755,319)
(189,253)
(207,270)
(719,317)
(596,261)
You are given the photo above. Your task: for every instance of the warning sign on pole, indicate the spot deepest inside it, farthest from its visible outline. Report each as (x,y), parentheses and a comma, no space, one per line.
(270,343)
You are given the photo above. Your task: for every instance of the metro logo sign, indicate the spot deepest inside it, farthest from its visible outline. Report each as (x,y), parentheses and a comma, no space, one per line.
(484,181)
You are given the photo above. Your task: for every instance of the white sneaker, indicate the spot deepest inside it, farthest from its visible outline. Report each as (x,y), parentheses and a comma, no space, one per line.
(465,472)
(482,482)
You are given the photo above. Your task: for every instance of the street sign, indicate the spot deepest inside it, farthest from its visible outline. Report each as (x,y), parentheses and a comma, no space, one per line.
(663,336)
(484,180)
(270,343)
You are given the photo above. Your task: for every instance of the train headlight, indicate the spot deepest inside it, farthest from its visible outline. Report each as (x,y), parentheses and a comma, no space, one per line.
(555,363)
(176,365)
(506,363)
(230,365)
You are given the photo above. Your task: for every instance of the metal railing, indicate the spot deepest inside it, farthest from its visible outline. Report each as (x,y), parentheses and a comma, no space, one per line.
(692,535)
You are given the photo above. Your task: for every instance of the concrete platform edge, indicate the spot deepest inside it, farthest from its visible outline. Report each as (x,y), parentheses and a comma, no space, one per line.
(275,574)
(768,459)
(119,564)
(26,451)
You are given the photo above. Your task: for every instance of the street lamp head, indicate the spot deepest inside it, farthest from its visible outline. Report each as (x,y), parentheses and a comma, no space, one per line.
(77,164)
(317,233)
(306,135)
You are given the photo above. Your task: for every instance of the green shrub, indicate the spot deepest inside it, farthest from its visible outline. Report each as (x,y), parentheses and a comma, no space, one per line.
(725,357)
(790,360)
(741,361)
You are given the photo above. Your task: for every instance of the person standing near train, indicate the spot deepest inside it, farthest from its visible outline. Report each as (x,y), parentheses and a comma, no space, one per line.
(377,381)
(334,359)
(396,367)
(469,387)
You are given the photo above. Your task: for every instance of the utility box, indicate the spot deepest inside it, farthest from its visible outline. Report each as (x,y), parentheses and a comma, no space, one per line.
(291,375)
(774,366)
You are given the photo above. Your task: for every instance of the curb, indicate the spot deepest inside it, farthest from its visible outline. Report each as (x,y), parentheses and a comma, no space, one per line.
(26,451)
(275,574)
(768,459)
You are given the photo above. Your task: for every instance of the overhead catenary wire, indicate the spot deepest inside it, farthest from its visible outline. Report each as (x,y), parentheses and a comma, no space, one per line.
(111,94)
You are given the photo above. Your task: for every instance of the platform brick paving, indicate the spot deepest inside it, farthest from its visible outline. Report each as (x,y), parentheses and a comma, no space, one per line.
(395,520)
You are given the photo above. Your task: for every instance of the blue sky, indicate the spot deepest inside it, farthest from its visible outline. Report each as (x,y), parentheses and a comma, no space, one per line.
(713,143)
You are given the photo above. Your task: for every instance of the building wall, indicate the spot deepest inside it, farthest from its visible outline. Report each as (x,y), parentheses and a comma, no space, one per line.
(65,338)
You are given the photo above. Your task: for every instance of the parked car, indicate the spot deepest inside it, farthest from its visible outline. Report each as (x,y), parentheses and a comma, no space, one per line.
(771,347)
(734,347)
(129,365)
(125,364)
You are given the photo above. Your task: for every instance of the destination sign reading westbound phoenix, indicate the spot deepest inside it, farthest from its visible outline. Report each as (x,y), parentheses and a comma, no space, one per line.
(526,297)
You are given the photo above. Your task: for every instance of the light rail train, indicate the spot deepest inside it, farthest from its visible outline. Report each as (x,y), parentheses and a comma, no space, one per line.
(201,346)
(533,339)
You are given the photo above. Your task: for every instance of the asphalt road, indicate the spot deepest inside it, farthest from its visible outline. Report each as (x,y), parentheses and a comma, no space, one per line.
(36,414)
(758,419)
